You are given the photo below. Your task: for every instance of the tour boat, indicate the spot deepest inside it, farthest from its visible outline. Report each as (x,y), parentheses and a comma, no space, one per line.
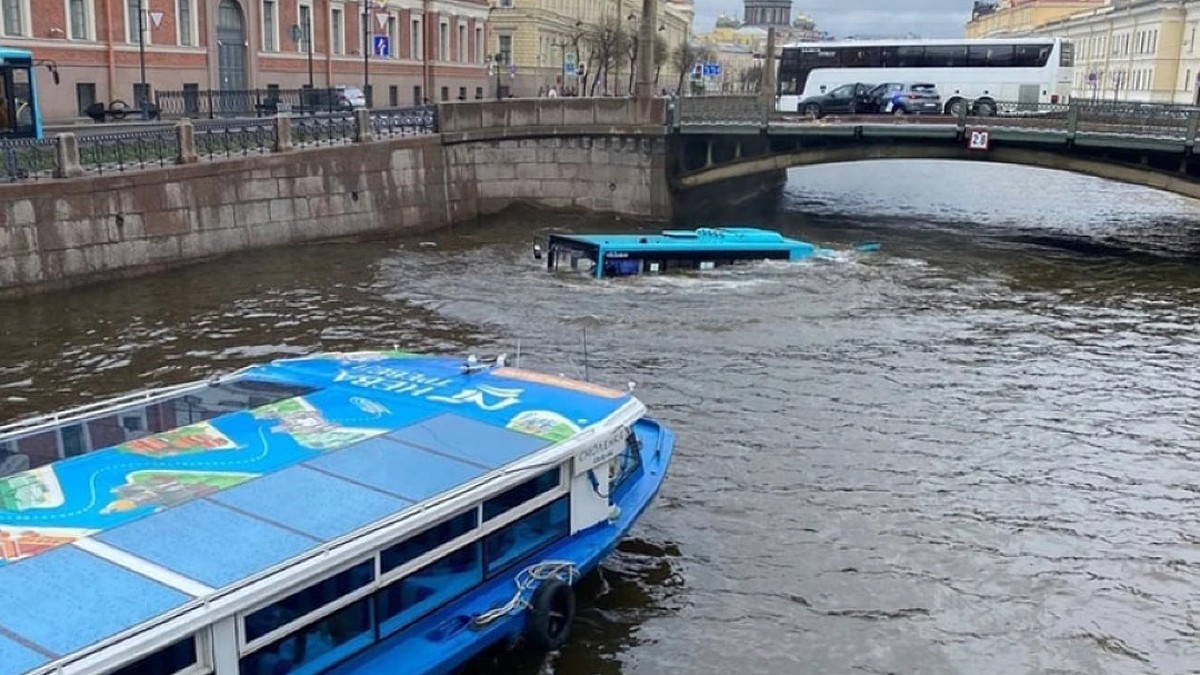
(350,513)
(609,255)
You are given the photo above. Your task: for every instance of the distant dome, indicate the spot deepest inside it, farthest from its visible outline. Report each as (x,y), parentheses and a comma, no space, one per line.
(726,21)
(804,21)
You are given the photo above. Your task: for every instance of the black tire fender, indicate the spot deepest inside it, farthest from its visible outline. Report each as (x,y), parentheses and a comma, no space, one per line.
(551,613)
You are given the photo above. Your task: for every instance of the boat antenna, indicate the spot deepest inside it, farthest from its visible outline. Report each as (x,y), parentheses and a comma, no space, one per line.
(586,374)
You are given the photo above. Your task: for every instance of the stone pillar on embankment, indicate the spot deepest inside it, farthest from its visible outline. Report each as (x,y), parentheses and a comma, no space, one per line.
(599,155)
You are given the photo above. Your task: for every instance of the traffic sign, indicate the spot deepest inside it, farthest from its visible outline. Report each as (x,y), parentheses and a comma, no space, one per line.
(1092,78)
(569,63)
(512,70)
(711,70)
(382,45)
(381,18)
(978,141)
(156,18)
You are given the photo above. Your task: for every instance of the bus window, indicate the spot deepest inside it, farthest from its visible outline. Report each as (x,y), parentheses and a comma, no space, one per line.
(1031,56)
(865,57)
(945,56)
(22,100)
(908,57)
(990,56)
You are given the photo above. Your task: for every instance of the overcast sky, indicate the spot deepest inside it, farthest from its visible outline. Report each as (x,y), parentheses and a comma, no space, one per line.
(927,18)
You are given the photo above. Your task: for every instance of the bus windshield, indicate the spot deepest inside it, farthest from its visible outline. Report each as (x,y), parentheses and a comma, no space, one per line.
(972,72)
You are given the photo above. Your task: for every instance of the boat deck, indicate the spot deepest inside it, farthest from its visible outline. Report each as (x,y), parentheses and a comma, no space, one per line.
(99,543)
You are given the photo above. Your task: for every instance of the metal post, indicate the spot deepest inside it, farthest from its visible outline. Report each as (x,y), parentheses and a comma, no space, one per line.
(367,47)
(308,37)
(498,59)
(142,58)
(767,78)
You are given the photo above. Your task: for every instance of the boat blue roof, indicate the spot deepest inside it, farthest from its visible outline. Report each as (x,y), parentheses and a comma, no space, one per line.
(700,239)
(216,502)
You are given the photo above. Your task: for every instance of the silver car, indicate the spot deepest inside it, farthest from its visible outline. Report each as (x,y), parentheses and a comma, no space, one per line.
(906,98)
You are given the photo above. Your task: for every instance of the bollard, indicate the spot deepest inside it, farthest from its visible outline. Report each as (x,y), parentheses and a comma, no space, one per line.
(362,126)
(283,133)
(66,156)
(185,141)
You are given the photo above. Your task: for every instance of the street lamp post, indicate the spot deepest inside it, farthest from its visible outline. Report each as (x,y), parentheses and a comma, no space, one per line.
(498,59)
(367,47)
(141,102)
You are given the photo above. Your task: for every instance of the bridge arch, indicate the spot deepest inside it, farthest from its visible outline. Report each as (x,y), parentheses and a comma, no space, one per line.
(741,165)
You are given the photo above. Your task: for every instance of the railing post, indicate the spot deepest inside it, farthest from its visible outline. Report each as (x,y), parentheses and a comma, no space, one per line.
(283,133)
(185,139)
(66,156)
(362,126)
(961,116)
(1193,122)
(1072,121)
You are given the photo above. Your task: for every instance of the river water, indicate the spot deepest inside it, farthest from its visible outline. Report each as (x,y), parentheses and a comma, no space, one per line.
(972,452)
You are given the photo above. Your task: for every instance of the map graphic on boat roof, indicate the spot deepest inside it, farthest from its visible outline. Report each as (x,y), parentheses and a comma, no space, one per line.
(225,498)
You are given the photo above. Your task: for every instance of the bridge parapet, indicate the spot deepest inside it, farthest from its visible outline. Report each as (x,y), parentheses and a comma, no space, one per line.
(466,116)
(704,110)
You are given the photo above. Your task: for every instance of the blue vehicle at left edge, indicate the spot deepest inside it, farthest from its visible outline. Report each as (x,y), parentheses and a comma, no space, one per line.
(20,115)
(345,513)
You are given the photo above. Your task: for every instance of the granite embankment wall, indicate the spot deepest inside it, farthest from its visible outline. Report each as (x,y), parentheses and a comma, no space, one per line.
(586,154)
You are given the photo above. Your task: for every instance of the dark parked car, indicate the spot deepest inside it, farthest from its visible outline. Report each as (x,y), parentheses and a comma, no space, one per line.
(903,98)
(848,98)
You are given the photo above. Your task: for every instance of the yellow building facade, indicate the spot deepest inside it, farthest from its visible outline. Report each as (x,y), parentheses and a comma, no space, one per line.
(1141,50)
(536,39)
(1016,17)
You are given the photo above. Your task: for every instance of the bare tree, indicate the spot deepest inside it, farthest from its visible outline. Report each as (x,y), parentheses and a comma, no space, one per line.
(751,78)
(662,52)
(686,56)
(609,45)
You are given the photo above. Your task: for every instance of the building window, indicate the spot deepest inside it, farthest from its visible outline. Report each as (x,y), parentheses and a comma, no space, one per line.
(135,29)
(305,44)
(393,31)
(462,43)
(506,48)
(394,96)
(416,50)
(14,17)
(85,96)
(417,100)
(445,93)
(478,45)
(79,21)
(270,21)
(478,93)
(444,41)
(337,31)
(184,22)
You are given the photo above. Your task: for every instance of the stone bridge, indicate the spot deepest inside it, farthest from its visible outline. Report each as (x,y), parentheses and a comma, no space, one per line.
(717,139)
(114,204)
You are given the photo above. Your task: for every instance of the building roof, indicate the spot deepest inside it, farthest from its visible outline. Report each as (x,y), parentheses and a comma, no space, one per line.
(702,239)
(102,542)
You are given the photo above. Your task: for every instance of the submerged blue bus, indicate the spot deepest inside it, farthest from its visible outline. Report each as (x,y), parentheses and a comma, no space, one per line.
(20,116)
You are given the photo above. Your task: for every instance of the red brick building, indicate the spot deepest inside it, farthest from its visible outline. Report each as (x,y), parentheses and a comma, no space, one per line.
(419,49)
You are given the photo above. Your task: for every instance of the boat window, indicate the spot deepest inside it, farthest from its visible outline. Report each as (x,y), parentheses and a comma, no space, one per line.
(316,647)
(515,496)
(171,659)
(509,544)
(427,540)
(309,600)
(629,461)
(430,587)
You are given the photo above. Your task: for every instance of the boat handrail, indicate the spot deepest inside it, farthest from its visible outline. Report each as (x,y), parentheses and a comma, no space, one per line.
(31,425)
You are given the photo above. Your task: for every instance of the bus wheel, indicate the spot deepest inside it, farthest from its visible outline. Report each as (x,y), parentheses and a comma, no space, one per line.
(551,611)
(985,108)
(956,107)
(812,110)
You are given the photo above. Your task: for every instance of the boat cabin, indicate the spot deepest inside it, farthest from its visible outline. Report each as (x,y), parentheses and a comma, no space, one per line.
(346,514)
(616,255)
